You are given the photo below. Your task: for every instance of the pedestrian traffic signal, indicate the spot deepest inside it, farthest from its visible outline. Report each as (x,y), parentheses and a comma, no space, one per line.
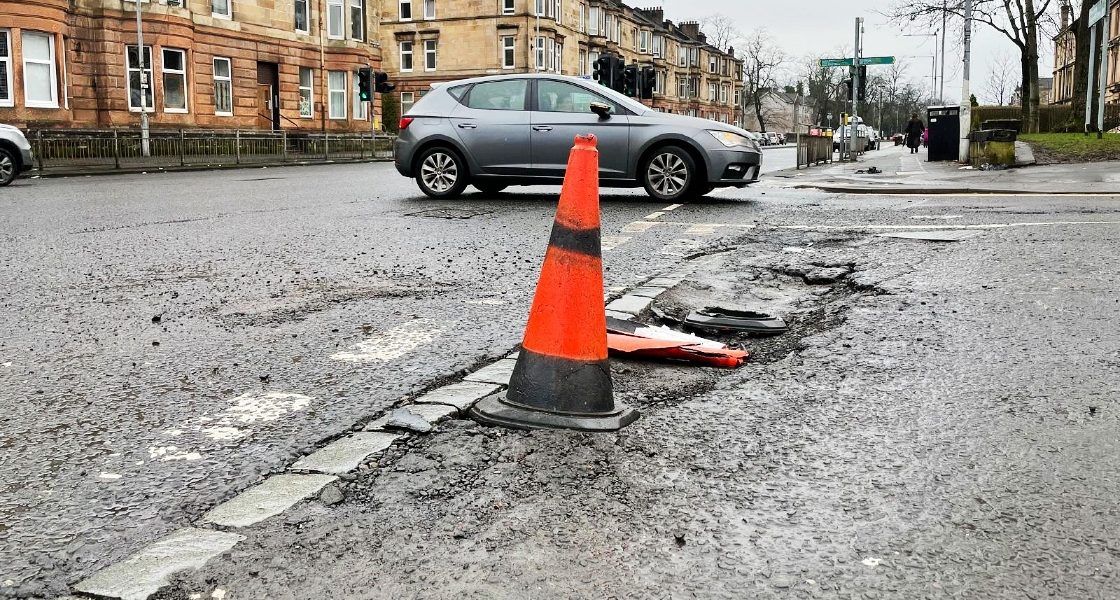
(602,70)
(630,80)
(381,83)
(365,94)
(647,81)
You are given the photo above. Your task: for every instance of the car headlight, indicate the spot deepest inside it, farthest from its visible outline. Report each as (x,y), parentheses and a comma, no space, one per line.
(732,139)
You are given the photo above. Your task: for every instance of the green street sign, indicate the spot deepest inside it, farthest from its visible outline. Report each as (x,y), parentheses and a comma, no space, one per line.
(848,62)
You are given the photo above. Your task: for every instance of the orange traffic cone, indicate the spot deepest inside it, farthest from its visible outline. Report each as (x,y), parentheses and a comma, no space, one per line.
(562,379)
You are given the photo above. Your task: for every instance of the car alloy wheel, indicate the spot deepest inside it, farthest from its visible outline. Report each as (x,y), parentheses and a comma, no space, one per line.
(7,168)
(668,174)
(439,171)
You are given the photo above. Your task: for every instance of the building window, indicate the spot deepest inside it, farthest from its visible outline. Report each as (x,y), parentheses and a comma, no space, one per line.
(643,45)
(723,94)
(509,55)
(558,11)
(682,87)
(508,7)
(406,57)
(737,101)
(223,87)
(335,20)
(6,68)
(174,63)
(301,16)
(659,83)
(336,93)
(634,38)
(582,18)
(220,8)
(306,88)
(712,92)
(658,44)
(540,53)
(712,60)
(429,9)
(592,58)
(357,20)
(40,80)
(360,113)
(593,21)
(406,10)
(541,8)
(136,75)
(582,63)
(407,100)
(430,55)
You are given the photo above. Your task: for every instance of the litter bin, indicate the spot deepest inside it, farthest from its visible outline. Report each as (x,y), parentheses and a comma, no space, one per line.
(944,126)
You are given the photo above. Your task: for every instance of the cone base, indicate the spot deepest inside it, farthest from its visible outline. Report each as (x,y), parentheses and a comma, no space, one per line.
(494,410)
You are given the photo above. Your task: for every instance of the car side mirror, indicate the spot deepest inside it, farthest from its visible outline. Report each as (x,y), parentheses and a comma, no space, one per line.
(601,109)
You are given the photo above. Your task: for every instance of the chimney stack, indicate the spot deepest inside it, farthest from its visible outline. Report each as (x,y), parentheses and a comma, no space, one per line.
(1065,14)
(691,29)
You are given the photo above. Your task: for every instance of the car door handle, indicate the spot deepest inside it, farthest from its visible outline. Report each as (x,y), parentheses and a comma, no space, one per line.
(467,126)
(542,128)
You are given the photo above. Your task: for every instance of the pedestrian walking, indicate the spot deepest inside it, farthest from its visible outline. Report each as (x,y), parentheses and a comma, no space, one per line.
(914,130)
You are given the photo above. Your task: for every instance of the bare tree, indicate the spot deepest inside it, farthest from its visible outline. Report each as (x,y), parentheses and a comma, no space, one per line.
(1002,80)
(721,30)
(1019,21)
(762,61)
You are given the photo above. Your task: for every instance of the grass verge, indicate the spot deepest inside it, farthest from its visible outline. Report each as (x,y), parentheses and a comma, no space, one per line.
(1073,147)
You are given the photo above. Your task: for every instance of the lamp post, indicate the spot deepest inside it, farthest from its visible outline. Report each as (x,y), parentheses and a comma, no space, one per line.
(145,147)
(934,35)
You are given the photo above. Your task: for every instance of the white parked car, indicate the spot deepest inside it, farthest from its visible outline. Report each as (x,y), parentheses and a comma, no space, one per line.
(15,154)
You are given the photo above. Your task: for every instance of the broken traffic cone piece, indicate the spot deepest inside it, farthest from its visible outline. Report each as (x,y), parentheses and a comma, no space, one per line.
(562,379)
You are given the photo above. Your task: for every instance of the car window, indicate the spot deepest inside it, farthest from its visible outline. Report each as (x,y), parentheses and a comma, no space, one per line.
(507,94)
(457,91)
(559,96)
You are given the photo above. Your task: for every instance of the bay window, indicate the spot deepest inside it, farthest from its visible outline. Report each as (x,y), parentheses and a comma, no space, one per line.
(336,94)
(306,89)
(40,77)
(174,65)
(223,87)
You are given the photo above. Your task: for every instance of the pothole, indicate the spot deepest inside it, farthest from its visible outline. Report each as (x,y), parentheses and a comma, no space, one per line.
(449,213)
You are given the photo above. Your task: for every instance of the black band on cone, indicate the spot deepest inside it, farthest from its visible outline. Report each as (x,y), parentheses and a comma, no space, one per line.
(581,241)
(560,385)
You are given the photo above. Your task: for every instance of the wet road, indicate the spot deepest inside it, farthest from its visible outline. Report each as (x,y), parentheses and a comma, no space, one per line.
(166,339)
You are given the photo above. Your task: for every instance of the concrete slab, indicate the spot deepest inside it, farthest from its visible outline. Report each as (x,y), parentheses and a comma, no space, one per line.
(1024,154)
(461,395)
(277,494)
(665,282)
(145,572)
(630,304)
(344,455)
(648,291)
(429,413)
(620,315)
(498,372)
(933,236)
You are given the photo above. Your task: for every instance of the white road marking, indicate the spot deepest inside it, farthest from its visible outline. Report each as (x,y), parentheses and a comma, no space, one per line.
(639,226)
(223,434)
(681,247)
(109,476)
(920,227)
(610,242)
(946,217)
(702,229)
(253,408)
(486,302)
(392,344)
(171,453)
(655,215)
(673,207)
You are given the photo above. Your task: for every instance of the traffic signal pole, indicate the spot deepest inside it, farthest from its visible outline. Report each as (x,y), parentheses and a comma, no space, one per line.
(852,128)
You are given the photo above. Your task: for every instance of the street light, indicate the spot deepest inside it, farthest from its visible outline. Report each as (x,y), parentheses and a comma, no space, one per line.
(934,35)
(933,68)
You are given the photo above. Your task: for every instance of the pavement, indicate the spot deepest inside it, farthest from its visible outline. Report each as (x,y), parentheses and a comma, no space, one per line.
(905,173)
(189,365)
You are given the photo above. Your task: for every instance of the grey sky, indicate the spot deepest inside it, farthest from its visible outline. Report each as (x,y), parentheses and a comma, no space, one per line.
(823,27)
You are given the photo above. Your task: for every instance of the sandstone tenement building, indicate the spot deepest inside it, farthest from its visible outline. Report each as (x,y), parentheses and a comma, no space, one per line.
(291,64)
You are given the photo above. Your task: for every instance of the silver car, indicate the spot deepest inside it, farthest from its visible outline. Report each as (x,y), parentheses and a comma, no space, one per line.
(493,132)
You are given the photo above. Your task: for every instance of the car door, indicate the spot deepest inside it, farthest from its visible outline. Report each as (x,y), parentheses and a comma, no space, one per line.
(561,111)
(492,122)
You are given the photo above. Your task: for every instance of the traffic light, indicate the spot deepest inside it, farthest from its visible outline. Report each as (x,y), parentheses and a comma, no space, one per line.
(848,84)
(381,83)
(618,74)
(602,70)
(364,92)
(630,80)
(647,82)
(862,83)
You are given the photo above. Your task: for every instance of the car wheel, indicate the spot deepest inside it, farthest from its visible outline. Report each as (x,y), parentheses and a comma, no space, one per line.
(441,173)
(7,167)
(489,188)
(669,174)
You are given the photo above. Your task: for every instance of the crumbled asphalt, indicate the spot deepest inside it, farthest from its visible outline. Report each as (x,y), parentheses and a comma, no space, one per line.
(941,423)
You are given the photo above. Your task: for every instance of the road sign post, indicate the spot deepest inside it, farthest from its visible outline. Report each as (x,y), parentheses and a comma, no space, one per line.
(852,137)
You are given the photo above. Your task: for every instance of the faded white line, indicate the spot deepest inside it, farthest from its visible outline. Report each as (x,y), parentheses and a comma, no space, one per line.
(610,242)
(702,229)
(639,226)
(672,207)
(924,227)
(656,215)
(392,344)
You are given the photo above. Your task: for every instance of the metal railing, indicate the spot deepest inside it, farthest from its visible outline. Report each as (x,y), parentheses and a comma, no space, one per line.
(845,148)
(813,150)
(93,150)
